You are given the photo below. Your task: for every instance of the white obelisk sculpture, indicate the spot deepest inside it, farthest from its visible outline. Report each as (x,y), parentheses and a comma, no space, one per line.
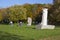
(44,23)
(44,16)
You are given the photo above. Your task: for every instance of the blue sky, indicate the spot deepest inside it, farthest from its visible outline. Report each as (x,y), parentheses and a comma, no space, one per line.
(7,3)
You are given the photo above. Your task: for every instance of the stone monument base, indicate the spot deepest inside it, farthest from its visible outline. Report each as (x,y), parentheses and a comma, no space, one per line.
(45,26)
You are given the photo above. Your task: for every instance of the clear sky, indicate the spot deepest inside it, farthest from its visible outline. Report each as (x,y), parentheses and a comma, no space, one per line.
(7,3)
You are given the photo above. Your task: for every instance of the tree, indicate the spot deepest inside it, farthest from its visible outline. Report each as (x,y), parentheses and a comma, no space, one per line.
(1,18)
(54,13)
(17,13)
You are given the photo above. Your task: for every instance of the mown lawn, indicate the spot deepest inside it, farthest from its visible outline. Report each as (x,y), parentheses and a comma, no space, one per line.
(15,32)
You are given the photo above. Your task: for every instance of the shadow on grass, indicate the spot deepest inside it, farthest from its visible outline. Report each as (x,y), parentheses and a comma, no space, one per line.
(8,36)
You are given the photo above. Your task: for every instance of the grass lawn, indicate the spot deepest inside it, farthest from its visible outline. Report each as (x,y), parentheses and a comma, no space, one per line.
(15,32)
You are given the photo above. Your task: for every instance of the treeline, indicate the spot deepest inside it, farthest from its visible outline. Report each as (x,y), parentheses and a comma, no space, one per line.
(21,12)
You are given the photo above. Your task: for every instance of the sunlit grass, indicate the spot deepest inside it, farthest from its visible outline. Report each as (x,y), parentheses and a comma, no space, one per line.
(27,33)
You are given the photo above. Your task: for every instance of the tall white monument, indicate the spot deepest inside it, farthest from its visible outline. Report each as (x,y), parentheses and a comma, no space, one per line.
(44,16)
(44,23)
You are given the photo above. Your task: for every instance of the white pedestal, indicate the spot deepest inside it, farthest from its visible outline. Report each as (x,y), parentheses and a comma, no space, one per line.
(47,27)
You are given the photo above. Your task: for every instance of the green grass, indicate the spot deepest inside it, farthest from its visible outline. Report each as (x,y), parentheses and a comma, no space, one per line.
(15,32)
